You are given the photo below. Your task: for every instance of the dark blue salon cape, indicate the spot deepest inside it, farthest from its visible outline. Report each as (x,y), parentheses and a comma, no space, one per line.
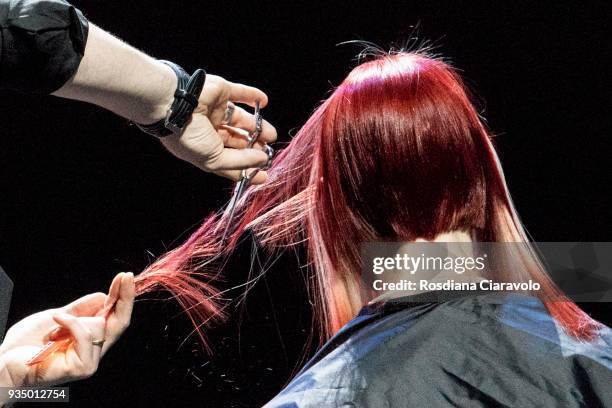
(484,350)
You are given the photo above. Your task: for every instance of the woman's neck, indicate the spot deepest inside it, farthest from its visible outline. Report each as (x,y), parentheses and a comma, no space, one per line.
(456,243)
(453,236)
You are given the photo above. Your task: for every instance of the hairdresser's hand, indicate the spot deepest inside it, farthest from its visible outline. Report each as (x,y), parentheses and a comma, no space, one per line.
(215,145)
(75,360)
(116,309)
(92,317)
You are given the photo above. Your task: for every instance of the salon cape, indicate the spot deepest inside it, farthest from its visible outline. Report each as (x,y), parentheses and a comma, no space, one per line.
(479,350)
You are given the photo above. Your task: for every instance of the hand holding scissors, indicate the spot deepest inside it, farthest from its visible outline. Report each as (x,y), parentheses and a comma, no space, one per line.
(215,137)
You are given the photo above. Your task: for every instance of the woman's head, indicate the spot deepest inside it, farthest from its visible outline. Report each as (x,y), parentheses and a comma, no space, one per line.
(401,148)
(396,153)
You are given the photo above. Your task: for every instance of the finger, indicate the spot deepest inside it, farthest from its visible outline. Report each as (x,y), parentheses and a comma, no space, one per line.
(125,303)
(245,120)
(120,319)
(113,291)
(247,94)
(96,326)
(88,305)
(237,138)
(236,175)
(82,336)
(238,159)
(234,137)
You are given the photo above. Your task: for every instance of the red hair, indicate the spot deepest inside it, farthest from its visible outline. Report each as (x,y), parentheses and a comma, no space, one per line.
(397,152)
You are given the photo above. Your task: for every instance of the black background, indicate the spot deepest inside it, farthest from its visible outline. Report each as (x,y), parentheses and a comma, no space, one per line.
(85,196)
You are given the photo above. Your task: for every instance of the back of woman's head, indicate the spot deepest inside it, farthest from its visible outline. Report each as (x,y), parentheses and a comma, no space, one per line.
(396,153)
(401,148)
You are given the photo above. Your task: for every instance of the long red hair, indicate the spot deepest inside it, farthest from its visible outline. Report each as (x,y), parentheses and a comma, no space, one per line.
(397,152)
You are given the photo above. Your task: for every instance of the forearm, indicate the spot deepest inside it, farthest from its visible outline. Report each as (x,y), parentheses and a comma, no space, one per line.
(122,79)
(49,47)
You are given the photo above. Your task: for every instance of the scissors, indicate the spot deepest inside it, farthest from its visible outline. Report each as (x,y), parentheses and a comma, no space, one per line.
(247,177)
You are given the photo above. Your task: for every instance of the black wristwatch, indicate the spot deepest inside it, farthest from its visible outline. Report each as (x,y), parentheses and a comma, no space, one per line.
(186,96)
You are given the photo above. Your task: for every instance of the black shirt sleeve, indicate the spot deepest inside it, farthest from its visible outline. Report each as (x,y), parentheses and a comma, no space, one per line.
(42,43)
(6,287)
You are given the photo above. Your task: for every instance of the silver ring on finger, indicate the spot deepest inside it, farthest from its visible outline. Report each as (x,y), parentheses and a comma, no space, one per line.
(229,112)
(254,135)
(270,152)
(98,343)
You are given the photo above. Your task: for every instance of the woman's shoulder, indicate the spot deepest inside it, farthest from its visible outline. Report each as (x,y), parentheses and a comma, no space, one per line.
(421,353)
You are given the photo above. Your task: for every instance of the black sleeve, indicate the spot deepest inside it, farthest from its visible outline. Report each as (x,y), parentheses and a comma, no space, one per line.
(6,287)
(41,44)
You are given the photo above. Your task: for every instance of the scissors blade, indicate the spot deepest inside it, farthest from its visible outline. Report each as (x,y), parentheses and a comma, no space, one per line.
(245,180)
(231,207)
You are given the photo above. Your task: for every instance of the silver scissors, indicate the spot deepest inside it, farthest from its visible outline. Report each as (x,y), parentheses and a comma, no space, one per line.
(247,177)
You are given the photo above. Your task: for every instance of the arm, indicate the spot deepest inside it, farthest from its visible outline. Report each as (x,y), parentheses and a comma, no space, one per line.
(49,47)
(133,85)
(122,79)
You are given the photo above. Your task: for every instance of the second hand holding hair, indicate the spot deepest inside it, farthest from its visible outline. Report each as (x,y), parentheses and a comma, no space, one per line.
(116,311)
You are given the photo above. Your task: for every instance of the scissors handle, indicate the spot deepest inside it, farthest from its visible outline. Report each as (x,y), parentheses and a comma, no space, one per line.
(247,177)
